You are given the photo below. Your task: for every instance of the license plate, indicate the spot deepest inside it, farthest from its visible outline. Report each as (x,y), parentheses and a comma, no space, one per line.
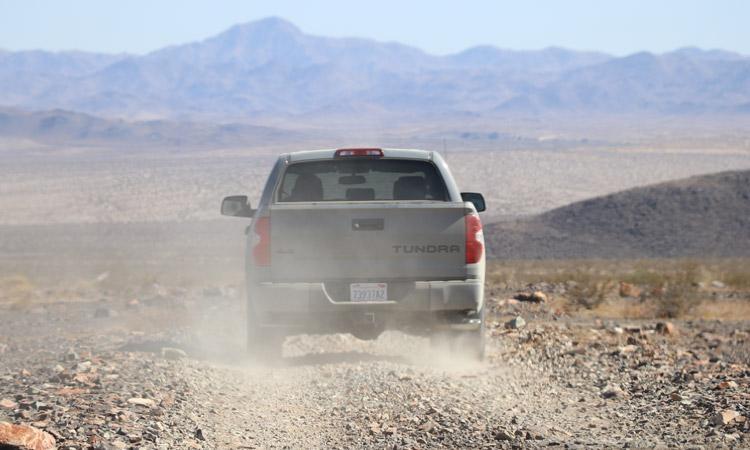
(368,292)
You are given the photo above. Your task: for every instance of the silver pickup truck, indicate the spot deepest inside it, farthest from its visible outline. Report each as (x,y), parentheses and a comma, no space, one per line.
(359,241)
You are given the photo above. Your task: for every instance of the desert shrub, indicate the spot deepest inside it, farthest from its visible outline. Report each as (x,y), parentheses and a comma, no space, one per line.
(737,278)
(675,302)
(16,290)
(587,290)
(680,292)
(499,276)
(645,277)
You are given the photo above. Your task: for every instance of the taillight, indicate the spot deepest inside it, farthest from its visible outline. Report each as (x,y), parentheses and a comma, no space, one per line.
(371,152)
(262,242)
(474,238)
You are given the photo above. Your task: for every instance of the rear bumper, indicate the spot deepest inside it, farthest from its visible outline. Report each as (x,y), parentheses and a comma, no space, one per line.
(321,304)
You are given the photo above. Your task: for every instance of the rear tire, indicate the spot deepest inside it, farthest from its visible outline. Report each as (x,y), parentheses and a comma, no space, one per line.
(264,344)
(471,344)
(462,344)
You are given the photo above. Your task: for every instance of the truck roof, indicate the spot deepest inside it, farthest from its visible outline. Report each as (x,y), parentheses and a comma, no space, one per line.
(310,155)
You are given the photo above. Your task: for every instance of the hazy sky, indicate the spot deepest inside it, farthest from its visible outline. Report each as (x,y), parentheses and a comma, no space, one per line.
(441,27)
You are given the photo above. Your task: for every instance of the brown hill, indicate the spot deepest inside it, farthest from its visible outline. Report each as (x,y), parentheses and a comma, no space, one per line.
(699,216)
(60,127)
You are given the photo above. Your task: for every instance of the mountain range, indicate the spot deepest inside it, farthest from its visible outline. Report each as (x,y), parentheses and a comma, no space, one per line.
(271,69)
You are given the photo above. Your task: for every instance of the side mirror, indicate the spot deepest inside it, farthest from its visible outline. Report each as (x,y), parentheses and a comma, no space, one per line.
(236,206)
(476,198)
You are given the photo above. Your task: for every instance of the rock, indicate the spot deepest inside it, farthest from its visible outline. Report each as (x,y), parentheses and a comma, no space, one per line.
(173,353)
(69,391)
(515,323)
(718,284)
(667,328)
(725,417)
(536,434)
(102,277)
(71,355)
(199,434)
(534,297)
(629,290)
(728,385)
(504,435)
(147,402)
(428,426)
(84,366)
(24,437)
(732,437)
(133,303)
(626,349)
(7,403)
(3,348)
(85,379)
(613,392)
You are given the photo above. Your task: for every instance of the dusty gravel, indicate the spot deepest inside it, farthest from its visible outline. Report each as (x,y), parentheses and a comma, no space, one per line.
(94,374)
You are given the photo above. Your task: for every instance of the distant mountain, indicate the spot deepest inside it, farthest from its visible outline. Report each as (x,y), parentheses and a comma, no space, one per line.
(679,82)
(706,215)
(29,74)
(552,59)
(59,127)
(270,68)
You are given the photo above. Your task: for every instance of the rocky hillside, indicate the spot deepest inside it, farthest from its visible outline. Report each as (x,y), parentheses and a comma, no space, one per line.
(698,216)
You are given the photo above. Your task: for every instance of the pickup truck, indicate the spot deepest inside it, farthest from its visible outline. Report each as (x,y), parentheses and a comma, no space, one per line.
(359,241)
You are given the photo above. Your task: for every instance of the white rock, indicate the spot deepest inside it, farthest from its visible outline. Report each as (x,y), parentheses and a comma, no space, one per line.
(147,402)
(515,323)
(173,353)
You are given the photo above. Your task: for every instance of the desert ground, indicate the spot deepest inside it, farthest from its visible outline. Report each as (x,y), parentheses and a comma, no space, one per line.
(151,365)
(77,185)
(121,310)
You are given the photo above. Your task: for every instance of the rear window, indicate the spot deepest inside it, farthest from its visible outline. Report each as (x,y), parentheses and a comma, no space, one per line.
(361,180)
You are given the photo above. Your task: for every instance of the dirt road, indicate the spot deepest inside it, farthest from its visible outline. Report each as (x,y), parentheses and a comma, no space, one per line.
(166,371)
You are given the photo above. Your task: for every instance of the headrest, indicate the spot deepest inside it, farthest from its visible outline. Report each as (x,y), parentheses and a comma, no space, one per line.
(307,188)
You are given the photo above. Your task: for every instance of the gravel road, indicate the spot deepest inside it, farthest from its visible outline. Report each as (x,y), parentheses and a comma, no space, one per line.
(166,371)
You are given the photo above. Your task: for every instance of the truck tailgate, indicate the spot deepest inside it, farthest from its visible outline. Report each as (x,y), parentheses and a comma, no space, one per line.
(374,241)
